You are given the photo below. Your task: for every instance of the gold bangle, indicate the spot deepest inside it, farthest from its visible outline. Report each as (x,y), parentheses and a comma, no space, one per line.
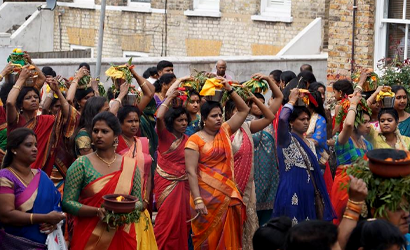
(291,103)
(143,84)
(166,106)
(118,100)
(198,202)
(356,202)
(31,219)
(16,87)
(198,198)
(146,201)
(350,218)
(1,77)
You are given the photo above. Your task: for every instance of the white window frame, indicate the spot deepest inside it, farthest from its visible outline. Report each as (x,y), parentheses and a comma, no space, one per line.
(129,54)
(79,47)
(139,5)
(380,30)
(205,9)
(280,12)
(85,4)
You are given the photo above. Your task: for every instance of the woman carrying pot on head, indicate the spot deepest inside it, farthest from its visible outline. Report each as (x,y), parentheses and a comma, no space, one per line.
(22,106)
(30,204)
(91,177)
(400,104)
(193,105)
(302,193)
(171,187)
(161,87)
(350,146)
(130,145)
(218,220)
(243,151)
(266,172)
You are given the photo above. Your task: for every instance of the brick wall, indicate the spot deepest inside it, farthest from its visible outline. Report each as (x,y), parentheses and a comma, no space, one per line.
(340,36)
(232,34)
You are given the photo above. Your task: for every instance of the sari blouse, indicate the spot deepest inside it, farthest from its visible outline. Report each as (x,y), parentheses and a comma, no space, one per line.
(80,174)
(379,141)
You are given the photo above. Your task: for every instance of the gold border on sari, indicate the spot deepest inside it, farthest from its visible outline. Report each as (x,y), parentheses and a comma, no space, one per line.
(169,188)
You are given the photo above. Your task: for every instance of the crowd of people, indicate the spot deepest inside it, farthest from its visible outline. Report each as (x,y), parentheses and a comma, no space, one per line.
(265,172)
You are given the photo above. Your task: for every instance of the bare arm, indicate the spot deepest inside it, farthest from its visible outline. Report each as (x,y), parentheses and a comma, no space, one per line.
(191,164)
(372,98)
(268,116)
(146,90)
(337,125)
(116,104)
(11,109)
(243,110)
(175,85)
(276,93)
(73,85)
(41,77)
(47,103)
(348,125)
(65,107)
(162,110)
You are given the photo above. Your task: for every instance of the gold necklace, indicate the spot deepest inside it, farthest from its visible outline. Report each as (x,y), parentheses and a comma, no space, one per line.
(108,163)
(19,177)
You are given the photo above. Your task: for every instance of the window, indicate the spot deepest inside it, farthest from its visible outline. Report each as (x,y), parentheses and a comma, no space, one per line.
(79,47)
(134,54)
(84,2)
(275,11)
(140,4)
(208,8)
(392,29)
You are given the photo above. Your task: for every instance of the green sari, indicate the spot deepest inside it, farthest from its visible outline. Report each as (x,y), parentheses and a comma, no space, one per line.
(404,127)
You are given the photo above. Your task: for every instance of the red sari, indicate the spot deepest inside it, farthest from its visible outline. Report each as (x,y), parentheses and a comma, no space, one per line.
(171,189)
(90,233)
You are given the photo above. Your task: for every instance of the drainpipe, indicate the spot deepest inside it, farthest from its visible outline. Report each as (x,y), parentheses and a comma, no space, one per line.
(353,34)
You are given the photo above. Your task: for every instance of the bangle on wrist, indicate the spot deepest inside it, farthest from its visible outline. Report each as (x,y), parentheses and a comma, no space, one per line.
(1,77)
(146,201)
(164,105)
(143,84)
(31,219)
(118,100)
(230,91)
(17,87)
(291,103)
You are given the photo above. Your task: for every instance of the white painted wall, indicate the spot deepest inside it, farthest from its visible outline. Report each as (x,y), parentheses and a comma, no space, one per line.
(307,42)
(12,13)
(36,34)
(240,67)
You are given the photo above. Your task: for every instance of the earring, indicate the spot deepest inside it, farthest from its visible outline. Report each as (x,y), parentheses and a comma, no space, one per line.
(115,142)
(15,153)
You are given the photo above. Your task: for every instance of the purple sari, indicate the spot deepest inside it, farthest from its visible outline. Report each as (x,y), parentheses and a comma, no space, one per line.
(27,199)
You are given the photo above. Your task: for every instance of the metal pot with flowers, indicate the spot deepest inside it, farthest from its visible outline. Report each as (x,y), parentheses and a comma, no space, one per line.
(371,82)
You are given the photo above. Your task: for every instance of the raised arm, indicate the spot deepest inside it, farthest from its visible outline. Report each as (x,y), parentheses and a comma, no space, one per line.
(6,71)
(276,93)
(163,108)
(348,125)
(372,98)
(243,110)
(41,77)
(175,85)
(268,116)
(147,88)
(74,83)
(116,103)
(284,136)
(65,107)
(11,109)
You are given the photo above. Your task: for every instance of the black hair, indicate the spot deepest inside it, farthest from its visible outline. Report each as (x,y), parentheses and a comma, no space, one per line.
(287,76)
(299,82)
(194,92)
(312,235)
(297,111)
(92,108)
(48,71)
(164,79)
(375,235)
(390,111)
(22,94)
(125,110)
(206,108)
(14,139)
(172,114)
(80,94)
(4,92)
(151,71)
(272,235)
(345,86)
(110,119)
(276,74)
(308,76)
(396,88)
(164,64)
(314,86)
(306,67)
(319,109)
(84,65)
(229,108)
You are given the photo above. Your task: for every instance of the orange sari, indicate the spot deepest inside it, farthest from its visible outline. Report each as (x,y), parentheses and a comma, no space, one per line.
(222,227)
(90,232)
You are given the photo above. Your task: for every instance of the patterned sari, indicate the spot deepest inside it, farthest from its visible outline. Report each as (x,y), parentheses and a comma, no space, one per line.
(222,227)
(39,197)
(139,150)
(171,191)
(85,185)
(404,127)
(242,147)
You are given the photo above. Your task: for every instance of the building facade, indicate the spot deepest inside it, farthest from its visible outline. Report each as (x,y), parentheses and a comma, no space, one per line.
(185,28)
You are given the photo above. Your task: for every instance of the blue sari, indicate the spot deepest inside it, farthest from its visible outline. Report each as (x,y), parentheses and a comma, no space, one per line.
(295,197)
(39,197)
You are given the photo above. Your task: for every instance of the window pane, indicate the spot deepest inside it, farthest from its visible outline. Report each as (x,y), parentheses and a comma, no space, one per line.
(396,9)
(276,2)
(395,40)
